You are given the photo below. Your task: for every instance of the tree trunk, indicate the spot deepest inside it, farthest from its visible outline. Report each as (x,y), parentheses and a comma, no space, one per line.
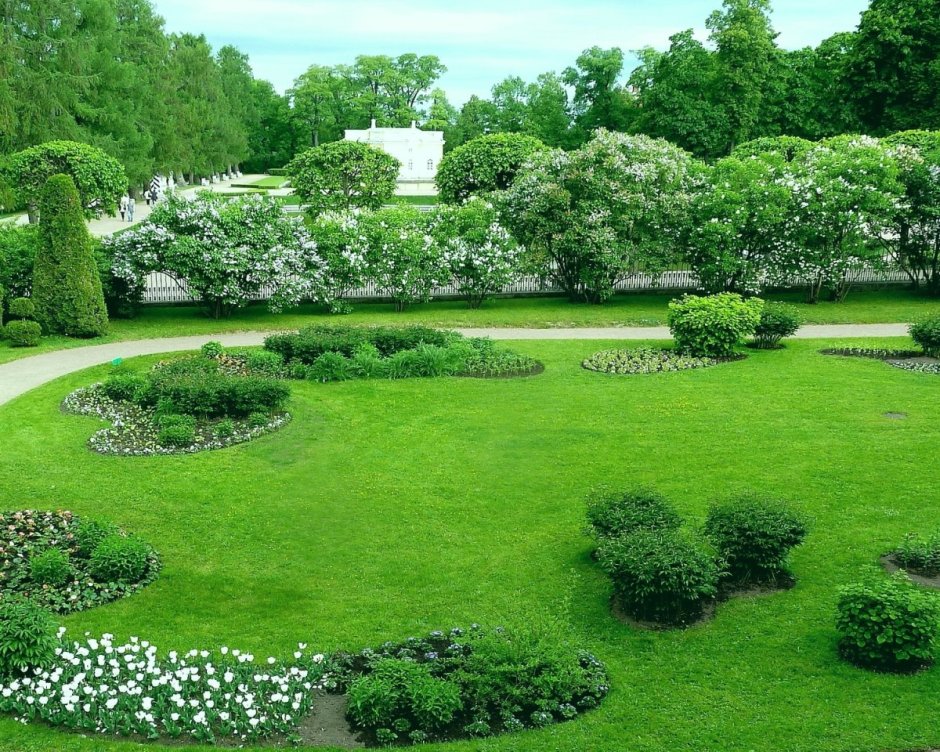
(32,211)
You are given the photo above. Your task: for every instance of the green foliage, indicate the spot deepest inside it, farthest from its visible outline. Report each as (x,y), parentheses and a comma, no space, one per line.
(482,357)
(330,366)
(888,625)
(919,555)
(66,287)
(18,247)
(311,342)
(343,175)
(637,360)
(176,430)
(926,333)
(776,151)
(662,575)
(51,567)
(21,308)
(98,178)
(713,326)
(484,164)
(225,428)
(754,537)
(119,559)
(777,320)
(89,534)
(27,636)
(125,386)
(23,333)
(212,350)
(613,514)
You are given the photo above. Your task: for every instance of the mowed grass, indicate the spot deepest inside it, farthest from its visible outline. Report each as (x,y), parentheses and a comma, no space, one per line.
(862,307)
(388,508)
(272,181)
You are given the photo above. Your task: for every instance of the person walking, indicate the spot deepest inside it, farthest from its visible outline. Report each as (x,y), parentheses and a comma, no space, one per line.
(130,208)
(123,206)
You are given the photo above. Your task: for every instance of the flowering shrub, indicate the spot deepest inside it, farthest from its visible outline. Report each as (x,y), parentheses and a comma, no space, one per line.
(889,625)
(342,253)
(712,326)
(222,250)
(479,252)
(644,360)
(96,685)
(56,560)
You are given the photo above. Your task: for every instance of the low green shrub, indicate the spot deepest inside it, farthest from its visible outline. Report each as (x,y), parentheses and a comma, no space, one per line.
(51,567)
(120,559)
(713,325)
(919,555)
(330,366)
(777,320)
(639,360)
(128,387)
(889,625)
(754,537)
(212,350)
(259,420)
(176,430)
(89,533)
(661,576)
(21,308)
(23,333)
(27,636)
(308,344)
(484,358)
(367,362)
(926,333)
(225,428)
(612,514)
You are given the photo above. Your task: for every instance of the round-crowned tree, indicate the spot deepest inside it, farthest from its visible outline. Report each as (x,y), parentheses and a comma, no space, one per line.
(484,164)
(66,287)
(344,175)
(98,177)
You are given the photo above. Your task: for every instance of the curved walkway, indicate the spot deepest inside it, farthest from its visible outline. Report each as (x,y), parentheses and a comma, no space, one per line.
(19,376)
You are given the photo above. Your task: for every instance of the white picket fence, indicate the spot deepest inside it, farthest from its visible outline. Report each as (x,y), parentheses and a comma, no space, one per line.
(162,288)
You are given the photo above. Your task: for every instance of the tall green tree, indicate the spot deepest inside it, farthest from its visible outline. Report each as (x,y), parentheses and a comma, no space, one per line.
(599,102)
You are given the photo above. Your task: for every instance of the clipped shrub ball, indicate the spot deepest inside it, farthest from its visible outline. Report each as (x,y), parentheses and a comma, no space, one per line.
(777,320)
(21,308)
(919,555)
(713,325)
(27,636)
(121,559)
(612,514)
(51,567)
(754,536)
(926,333)
(660,576)
(23,333)
(889,625)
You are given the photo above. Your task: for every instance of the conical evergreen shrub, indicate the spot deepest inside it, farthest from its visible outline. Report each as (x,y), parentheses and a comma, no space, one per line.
(66,286)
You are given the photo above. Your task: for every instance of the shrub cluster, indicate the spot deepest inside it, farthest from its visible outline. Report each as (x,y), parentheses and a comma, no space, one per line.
(66,563)
(713,325)
(467,683)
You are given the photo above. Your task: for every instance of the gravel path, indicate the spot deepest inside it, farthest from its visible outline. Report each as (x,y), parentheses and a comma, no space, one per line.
(19,376)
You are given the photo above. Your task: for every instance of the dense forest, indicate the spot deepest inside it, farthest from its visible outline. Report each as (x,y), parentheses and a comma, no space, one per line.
(106,72)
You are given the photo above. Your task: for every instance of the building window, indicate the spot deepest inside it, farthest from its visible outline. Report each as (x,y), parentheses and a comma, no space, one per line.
(430,164)
(411,165)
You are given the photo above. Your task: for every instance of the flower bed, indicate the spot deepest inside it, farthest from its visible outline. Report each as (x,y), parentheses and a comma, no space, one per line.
(647,360)
(907,360)
(50,558)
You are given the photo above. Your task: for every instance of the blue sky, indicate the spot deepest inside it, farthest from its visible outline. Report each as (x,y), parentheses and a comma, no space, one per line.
(480,42)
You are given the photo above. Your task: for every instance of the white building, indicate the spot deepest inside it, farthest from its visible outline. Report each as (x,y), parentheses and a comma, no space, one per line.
(419,152)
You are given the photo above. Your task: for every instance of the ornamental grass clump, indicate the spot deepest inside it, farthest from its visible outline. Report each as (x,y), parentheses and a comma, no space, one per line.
(713,325)
(663,576)
(888,625)
(754,536)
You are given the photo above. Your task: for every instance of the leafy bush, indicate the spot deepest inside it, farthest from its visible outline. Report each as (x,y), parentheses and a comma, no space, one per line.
(889,625)
(926,333)
(176,430)
(367,362)
(484,358)
(18,247)
(660,575)
(343,175)
(212,350)
(777,320)
(713,325)
(308,344)
(637,360)
(484,164)
(259,420)
(754,537)
(21,308)
(51,567)
(225,428)
(23,333)
(89,534)
(119,558)
(613,514)
(331,366)
(27,636)
(919,555)
(125,386)
(402,695)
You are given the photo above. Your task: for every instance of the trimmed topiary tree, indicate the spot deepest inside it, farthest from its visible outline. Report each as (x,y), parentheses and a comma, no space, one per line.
(344,175)
(66,287)
(484,164)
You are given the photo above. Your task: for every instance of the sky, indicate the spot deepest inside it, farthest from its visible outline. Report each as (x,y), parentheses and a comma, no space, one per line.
(480,42)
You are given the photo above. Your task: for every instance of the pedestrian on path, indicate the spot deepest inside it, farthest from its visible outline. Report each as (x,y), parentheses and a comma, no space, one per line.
(123,206)
(131,205)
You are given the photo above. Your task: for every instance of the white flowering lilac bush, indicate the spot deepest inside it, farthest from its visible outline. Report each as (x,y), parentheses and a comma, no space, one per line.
(480,254)
(598,215)
(224,251)
(131,689)
(342,252)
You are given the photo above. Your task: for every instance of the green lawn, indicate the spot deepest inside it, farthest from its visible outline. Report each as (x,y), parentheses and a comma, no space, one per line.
(272,181)
(896,305)
(388,508)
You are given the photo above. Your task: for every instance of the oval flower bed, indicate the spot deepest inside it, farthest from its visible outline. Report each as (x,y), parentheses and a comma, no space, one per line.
(908,360)
(637,360)
(449,685)
(66,563)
